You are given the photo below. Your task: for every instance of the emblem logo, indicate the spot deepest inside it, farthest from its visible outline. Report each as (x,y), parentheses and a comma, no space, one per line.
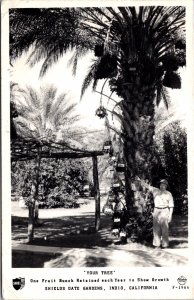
(182,280)
(18,283)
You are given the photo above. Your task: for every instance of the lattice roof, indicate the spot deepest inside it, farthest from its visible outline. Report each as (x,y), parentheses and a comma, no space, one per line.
(24,149)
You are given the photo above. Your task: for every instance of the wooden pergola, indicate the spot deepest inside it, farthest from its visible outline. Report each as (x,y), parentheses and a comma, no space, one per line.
(30,149)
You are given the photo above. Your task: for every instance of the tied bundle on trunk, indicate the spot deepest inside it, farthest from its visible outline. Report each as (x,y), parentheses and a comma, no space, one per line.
(172,80)
(107,65)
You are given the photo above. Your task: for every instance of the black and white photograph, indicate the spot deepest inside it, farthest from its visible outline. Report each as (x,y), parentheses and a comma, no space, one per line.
(98,142)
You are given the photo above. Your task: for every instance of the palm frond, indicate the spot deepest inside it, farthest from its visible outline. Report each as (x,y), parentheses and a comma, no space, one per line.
(149,15)
(133,12)
(51,58)
(164,18)
(36,55)
(116,16)
(32,98)
(58,105)
(125,14)
(136,34)
(23,128)
(92,15)
(29,121)
(118,104)
(43,114)
(79,52)
(90,76)
(103,12)
(48,96)
(159,94)
(165,96)
(159,10)
(36,27)
(162,94)
(115,129)
(68,110)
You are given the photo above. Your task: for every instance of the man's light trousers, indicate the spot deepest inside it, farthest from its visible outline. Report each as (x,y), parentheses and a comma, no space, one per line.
(160,227)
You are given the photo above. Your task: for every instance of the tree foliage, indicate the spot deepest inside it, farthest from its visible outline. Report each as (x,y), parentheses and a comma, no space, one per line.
(149,38)
(175,150)
(45,116)
(61,181)
(172,147)
(143,48)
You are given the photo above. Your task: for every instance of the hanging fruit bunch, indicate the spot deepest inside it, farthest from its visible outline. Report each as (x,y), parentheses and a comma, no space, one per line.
(172,80)
(101,112)
(108,209)
(108,61)
(180,51)
(120,167)
(180,44)
(119,219)
(116,185)
(171,62)
(112,160)
(106,66)
(111,196)
(107,146)
(99,50)
(181,57)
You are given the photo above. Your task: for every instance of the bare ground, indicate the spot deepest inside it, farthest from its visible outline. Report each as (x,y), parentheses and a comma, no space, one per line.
(66,238)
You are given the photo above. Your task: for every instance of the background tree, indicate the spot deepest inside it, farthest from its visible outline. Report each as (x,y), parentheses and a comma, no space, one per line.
(43,118)
(139,50)
(172,147)
(46,116)
(61,181)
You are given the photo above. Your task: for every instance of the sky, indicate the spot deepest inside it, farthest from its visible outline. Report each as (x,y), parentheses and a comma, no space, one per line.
(60,75)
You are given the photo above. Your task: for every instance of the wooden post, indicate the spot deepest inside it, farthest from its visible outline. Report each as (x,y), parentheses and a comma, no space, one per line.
(96,192)
(31,221)
(33,205)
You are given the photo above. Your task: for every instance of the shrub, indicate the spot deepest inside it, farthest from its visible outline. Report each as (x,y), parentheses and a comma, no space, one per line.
(175,150)
(172,147)
(60,182)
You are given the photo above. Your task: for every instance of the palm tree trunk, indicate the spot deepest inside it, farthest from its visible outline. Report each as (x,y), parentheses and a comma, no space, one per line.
(137,132)
(33,205)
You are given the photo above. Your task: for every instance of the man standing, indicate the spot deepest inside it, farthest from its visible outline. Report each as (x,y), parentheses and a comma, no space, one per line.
(162,216)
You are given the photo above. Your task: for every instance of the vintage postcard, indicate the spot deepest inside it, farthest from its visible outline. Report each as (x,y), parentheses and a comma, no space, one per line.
(97,149)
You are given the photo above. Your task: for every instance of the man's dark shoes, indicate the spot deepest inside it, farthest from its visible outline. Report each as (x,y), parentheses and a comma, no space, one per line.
(156,247)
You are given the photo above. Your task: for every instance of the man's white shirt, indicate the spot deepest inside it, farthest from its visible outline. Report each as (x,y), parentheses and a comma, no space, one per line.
(162,198)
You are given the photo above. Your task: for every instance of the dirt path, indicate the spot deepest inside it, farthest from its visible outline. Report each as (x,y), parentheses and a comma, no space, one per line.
(87,207)
(66,239)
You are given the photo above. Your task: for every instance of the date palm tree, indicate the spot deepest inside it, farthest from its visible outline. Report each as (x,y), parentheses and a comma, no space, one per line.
(138,51)
(43,117)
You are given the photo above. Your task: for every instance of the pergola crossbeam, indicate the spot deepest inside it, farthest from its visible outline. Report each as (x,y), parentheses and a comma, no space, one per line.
(27,150)
(59,155)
